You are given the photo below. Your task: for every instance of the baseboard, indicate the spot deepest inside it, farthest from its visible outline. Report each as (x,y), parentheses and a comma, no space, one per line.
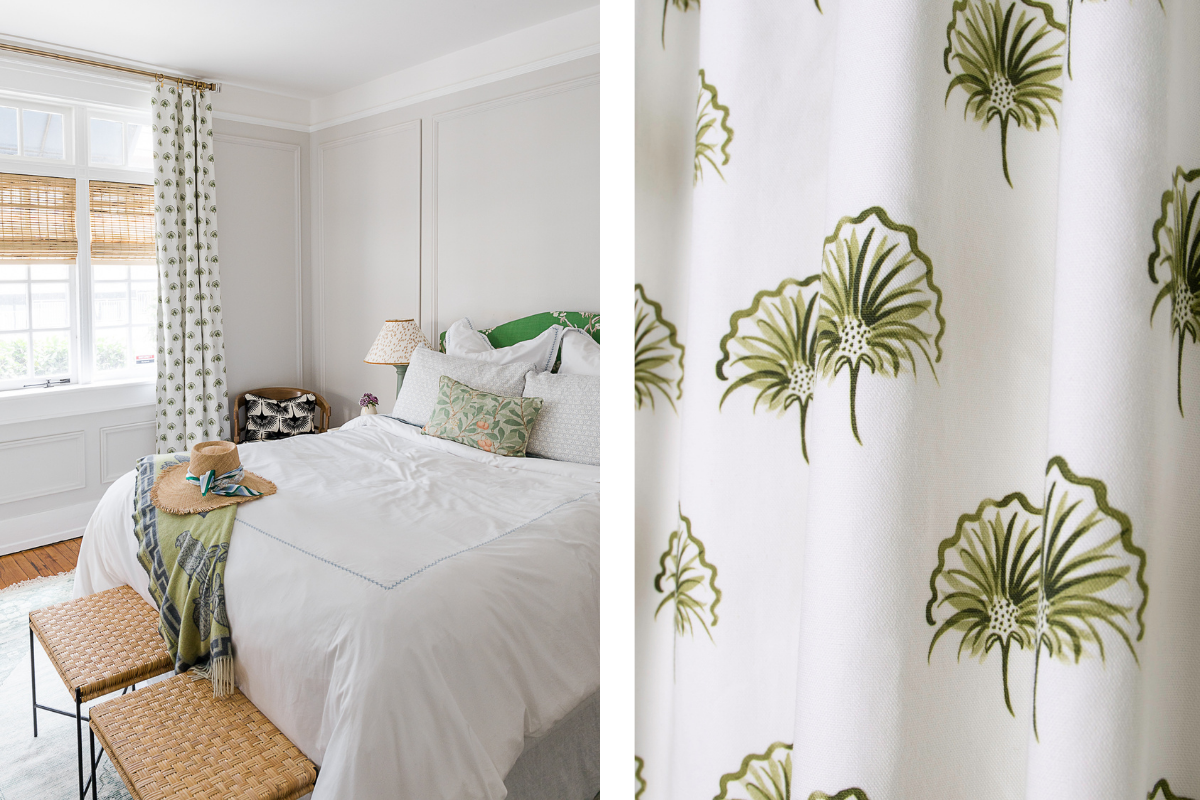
(48,527)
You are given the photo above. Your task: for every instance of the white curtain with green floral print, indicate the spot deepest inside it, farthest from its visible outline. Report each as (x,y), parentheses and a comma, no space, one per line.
(191,399)
(932,521)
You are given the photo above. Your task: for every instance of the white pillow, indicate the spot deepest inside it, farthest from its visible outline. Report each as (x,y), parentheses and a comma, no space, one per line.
(464,341)
(580,354)
(568,427)
(418,394)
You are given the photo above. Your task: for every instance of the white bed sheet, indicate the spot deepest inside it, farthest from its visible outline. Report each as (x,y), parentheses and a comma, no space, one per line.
(406,610)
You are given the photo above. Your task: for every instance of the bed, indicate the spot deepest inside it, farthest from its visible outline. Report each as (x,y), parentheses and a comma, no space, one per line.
(420,617)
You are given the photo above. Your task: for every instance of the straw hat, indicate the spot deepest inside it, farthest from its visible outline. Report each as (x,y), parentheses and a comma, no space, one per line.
(211,479)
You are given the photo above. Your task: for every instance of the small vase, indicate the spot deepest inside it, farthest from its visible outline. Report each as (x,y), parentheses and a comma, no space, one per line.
(366,410)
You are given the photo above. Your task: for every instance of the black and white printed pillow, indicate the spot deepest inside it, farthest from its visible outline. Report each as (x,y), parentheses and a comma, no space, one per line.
(279,419)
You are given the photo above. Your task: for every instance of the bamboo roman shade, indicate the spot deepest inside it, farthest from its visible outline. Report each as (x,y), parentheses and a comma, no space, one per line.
(37,217)
(122,217)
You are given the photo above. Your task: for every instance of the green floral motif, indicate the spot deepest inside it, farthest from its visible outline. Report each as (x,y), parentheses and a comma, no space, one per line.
(773,345)
(878,302)
(844,794)
(1092,574)
(986,581)
(766,776)
(689,581)
(658,353)
(682,5)
(639,783)
(1165,788)
(1056,578)
(490,422)
(1007,67)
(707,109)
(1177,248)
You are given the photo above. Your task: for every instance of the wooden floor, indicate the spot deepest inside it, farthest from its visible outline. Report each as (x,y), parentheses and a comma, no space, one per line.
(40,561)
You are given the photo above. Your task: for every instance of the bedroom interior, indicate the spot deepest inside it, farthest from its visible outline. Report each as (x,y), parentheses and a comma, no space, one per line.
(407,197)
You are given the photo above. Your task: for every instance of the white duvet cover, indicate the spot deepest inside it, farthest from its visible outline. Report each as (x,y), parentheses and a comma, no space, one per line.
(406,610)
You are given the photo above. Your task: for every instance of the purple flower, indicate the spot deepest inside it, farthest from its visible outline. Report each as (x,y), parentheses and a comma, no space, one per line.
(369,399)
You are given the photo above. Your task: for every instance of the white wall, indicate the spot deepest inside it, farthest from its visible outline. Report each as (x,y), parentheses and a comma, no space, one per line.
(481,201)
(506,204)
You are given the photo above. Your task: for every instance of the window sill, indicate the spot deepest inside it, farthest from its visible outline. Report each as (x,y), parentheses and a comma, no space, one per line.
(29,405)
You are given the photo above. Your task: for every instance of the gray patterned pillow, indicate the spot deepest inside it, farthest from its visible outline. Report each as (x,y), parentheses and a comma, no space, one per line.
(568,427)
(419,393)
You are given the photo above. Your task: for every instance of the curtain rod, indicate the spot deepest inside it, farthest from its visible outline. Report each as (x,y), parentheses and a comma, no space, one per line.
(158,76)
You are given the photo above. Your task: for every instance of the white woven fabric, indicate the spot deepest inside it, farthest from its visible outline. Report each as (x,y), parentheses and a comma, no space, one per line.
(826,606)
(568,426)
(418,393)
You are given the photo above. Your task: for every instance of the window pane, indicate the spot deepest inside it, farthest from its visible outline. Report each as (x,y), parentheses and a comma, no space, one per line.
(137,146)
(14,307)
(112,349)
(145,300)
(109,272)
(49,272)
(112,303)
(8,131)
(13,272)
(105,145)
(51,354)
(144,346)
(14,356)
(144,272)
(43,134)
(51,306)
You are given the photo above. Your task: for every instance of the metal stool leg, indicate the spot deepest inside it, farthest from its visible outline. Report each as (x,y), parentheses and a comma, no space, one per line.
(33,681)
(92,746)
(79,737)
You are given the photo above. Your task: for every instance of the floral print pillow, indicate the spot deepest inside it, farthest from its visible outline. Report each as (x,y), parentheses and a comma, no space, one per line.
(491,422)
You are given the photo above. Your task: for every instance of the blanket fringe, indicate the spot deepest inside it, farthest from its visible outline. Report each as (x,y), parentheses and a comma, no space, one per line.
(218,671)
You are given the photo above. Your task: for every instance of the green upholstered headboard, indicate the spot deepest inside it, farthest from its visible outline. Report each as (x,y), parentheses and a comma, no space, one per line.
(525,328)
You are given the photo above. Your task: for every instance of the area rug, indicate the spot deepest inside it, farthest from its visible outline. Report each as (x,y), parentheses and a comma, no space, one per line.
(44,768)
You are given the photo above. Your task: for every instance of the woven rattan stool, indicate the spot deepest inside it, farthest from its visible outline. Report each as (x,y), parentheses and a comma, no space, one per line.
(173,739)
(98,644)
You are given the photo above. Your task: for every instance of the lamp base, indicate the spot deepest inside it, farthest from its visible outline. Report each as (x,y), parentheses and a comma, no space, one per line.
(400,370)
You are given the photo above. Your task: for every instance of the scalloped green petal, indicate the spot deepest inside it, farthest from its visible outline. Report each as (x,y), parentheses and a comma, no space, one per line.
(658,353)
(761,776)
(688,582)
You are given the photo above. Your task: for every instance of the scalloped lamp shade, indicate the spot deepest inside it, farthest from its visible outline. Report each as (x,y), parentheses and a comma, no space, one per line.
(396,342)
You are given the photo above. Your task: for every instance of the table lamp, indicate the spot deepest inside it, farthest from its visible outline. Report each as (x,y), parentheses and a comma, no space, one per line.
(395,344)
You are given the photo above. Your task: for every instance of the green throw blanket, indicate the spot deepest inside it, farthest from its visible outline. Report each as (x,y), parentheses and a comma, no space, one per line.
(185,558)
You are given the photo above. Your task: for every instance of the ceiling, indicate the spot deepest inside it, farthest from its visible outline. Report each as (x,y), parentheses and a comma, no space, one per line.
(301,48)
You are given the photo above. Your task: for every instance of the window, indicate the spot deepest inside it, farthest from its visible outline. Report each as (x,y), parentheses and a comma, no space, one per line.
(37,255)
(78,283)
(124,278)
(32,130)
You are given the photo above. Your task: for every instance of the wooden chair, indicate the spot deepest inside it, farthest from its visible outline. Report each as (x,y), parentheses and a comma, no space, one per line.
(278,393)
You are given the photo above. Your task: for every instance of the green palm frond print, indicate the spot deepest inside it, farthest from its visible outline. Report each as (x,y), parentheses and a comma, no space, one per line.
(711,117)
(771,347)
(658,353)
(639,783)
(986,583)
(688,581)
(879,304)
(1009,68)
(1177,253)
(1064,578)
(1093,577)
(682,5)
(765,776)
(1162,790)
(844,794)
